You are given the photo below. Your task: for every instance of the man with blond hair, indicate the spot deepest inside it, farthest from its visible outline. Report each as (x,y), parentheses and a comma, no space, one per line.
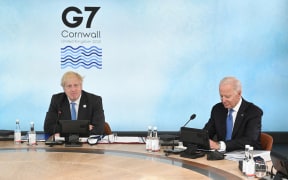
(87,106)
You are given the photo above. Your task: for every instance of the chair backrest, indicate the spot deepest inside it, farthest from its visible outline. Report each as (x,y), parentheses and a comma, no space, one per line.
(266,141)
(107,129)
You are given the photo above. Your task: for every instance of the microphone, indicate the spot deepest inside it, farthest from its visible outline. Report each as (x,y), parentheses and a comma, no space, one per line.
(173,150)
(58,117)
(191,118)
(59,112)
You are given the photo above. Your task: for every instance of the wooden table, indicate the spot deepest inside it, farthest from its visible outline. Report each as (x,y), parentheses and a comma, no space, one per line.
(106,161)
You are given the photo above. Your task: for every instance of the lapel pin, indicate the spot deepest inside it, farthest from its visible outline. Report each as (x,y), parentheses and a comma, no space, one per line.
(84,106)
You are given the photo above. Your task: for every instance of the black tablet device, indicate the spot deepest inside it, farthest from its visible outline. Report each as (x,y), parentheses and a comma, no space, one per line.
(197,137)
(196,141)
(280,163)
(73,129)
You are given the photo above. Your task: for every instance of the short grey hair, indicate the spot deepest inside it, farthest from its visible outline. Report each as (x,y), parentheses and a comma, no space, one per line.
(232,81)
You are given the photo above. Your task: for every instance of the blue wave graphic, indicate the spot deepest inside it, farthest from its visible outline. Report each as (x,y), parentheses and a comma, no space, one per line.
(81,57)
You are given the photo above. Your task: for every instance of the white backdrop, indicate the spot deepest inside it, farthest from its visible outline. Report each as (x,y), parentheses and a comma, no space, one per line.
(161,60)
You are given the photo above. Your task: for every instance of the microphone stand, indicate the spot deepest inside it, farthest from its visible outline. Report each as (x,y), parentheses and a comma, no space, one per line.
(53,142)
(178,151)
(191,118)
(191,151)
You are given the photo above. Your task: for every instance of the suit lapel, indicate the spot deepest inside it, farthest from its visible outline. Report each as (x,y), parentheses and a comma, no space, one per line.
(83,106)
(221,122)
(240,116)
(65,107)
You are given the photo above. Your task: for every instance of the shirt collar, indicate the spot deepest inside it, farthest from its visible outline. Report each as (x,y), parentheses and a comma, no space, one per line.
(77,100)
(236,108)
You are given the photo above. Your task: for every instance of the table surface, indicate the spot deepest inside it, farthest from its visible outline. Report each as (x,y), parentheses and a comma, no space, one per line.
(109,161)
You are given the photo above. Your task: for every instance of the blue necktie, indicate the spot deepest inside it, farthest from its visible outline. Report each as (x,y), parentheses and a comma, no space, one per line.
(229,125)
(73,111)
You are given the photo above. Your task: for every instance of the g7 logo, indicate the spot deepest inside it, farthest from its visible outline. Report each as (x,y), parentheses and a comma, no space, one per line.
(77,20)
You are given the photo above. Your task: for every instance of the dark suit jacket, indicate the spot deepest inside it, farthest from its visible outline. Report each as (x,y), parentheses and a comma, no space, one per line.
(247,126)
(90,108)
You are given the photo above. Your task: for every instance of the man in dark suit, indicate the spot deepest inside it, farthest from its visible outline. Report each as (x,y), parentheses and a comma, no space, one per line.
(87,106)
(246,126)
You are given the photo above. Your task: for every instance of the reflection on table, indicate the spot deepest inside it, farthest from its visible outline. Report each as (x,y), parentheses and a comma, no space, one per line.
(110,161)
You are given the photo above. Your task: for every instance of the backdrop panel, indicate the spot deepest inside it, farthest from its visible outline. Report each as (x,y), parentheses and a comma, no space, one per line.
(154,62)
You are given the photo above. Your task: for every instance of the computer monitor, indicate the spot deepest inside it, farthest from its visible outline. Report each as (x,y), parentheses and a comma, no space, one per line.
(73,129)
(280,163)
(196,141)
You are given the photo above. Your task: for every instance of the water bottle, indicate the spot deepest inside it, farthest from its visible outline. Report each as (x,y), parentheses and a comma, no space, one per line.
(32,135)
(155,140)
(149,139)
(17,133)
(245,160)
(250,166)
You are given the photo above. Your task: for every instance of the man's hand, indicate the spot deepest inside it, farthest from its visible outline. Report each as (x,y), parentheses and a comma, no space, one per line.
(214,145)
